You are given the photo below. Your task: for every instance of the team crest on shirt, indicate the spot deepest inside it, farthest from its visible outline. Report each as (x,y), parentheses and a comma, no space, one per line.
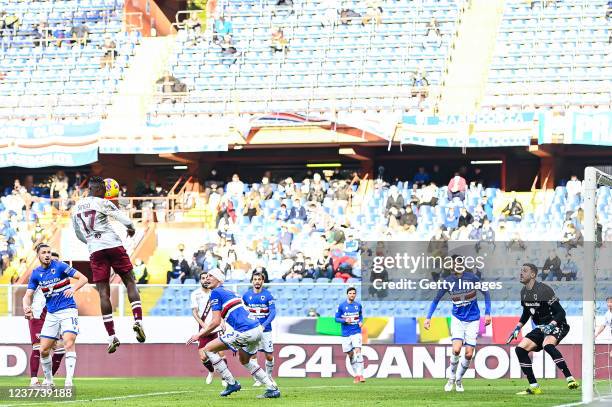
(263,297)
(52,271)
(532,310)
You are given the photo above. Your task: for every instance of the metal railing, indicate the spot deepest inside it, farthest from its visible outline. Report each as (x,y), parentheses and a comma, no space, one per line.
(11,295)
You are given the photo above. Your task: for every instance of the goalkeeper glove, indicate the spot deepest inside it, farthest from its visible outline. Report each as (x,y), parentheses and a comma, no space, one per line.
(548,329)
(514,334)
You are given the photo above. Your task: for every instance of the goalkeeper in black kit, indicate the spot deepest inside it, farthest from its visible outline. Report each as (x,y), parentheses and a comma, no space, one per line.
(541,305)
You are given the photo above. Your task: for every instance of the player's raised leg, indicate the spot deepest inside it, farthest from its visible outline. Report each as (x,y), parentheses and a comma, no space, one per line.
(522,353)
(106,307)
(134,297)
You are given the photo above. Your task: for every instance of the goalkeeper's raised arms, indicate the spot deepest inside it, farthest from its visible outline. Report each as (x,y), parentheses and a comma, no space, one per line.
(514,334)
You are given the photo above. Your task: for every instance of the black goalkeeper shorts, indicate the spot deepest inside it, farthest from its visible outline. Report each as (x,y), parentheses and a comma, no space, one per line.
(537,336)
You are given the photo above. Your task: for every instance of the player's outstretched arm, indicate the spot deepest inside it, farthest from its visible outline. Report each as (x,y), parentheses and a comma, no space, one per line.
(434,305)
(487,297)
(27,303)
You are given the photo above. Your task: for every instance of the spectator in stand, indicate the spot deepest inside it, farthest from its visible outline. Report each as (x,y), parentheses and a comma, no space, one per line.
(408,220)
(80,34)
(193,25)
(437,248)
(457,187)
(180,269)
(285,238)
(342,194)
(235,188)
(221,28)
(487,236)
(433,34)
(312,313)
(252,205)
(229,53)
(283,213)
(552,267)
(513,211)
(140,272)
(266,188)
(316,189)
(278,42)
(373,12)
(486,205)
(480,214)
(465,218)
(226,210)
(573,188)
(298,269)
(421,177)
(394,200)
(572,237)
(569,269)
(109,48)
(59,189)
(59,35)
(298,212)
(168,85)
(325,266)
(348,15)
(428,195)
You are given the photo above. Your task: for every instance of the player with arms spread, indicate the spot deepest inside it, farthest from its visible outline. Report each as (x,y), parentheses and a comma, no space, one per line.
(465,320)
(541,305)
(260,303)
(244,337)
(350,315)
(200,309)
(53,278)
(90,219)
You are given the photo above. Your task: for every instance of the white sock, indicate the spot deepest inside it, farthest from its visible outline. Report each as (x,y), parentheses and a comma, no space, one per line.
(71,359)
(259,375)
(358,364)
(463,367)
(269,367)
(47,367)
(454,361)
(221,367)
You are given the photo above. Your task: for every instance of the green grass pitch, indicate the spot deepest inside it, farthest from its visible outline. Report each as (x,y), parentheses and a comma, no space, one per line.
(165,392)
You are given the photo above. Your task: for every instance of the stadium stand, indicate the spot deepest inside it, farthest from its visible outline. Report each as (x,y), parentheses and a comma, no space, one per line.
(45,75)
(551,56)
(346,67)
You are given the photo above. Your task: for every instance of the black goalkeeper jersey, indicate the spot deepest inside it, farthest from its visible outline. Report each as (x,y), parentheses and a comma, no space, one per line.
(542,305)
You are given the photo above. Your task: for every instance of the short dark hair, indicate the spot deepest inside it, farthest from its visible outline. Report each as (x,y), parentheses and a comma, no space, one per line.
(41,246)
(348,290)
(609,298)
(54,254)
(532,267)
(203,272)
(96,180)
(258,273)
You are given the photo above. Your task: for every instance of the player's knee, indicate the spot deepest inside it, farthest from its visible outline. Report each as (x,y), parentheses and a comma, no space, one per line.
(358,358)
(550,348)
(520,352)
(45,352)
(269,357)
(469,354)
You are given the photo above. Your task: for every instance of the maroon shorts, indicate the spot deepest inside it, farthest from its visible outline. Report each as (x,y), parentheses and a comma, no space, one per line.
(36,326)
(204,340)
(102,261)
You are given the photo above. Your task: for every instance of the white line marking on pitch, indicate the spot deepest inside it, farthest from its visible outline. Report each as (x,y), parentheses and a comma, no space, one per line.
(131,396)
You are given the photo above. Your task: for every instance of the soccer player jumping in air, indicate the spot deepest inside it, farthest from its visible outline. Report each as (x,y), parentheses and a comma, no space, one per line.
(542,305)
(244,337)
(465,320)
(90,219)
(350,315)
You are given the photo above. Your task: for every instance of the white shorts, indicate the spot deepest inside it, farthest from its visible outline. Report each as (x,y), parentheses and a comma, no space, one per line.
(465,331)
(351,342)
(60,322)
(248,341)
(266,345)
